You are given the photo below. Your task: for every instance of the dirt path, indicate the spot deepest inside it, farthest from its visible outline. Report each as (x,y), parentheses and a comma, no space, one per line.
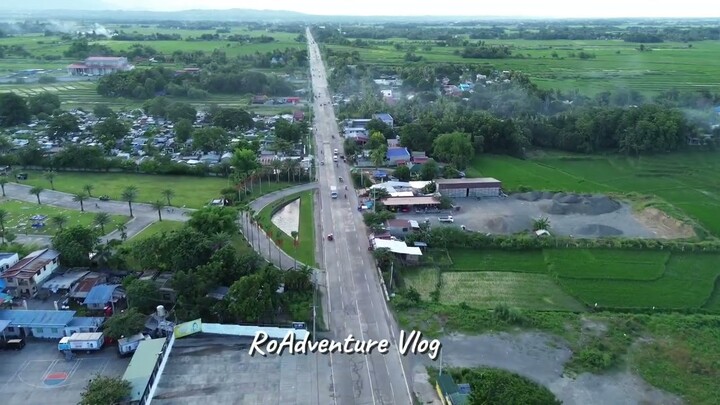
(541,357)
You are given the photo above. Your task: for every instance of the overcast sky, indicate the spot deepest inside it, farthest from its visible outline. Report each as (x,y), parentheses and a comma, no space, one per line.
(510,8)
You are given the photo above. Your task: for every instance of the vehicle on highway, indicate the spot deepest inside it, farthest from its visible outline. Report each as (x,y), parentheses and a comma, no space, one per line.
(448,218)
(335,151)
(341,179)
(335,159)
(333,192)
(330,237)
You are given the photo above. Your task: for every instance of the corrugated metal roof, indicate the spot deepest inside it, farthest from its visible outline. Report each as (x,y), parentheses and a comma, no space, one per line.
(245,330)
(37,318)
(86,321)
(100,294)
(3,325)
(141,366)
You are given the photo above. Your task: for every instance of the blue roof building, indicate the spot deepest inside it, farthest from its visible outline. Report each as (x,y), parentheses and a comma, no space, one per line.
(398,156)
(386,118)
(39,323)
(102,294)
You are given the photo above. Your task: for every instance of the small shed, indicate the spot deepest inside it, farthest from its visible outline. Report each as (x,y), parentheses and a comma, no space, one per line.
(100,295)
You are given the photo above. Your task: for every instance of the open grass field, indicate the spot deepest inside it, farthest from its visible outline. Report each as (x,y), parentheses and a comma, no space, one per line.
(486,289)
(617,64)
(156,228)
(192,192)
(19,219)
(304,252)
(688,181)
(610,278)
(422,279)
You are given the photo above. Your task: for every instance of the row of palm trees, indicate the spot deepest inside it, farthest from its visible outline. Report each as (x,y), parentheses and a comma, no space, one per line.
(252,224)
(290,167)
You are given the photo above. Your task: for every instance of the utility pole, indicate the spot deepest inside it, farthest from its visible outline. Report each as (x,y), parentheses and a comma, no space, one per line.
(392,269)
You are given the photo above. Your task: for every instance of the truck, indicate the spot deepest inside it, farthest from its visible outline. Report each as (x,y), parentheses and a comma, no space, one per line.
(129,344)
(333,192)
(89,341)
(448,219)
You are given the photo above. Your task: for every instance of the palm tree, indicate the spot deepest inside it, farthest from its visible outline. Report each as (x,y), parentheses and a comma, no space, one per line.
(80,197)
(59,221)
(129,195)
(88,189)
(3,218)
(123,231)
(276,166)
(50,176)
(541,224)
(294,235)
(168,194)
(101,219)
(158,205)
(36,192)
(378,156)
(3,182)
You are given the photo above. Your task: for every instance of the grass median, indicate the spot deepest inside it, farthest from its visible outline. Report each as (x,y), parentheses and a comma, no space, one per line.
(304,250)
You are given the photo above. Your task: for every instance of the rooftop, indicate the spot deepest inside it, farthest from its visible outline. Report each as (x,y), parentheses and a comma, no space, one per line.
(87,284)
(86,321)
(65,281)
(477,180)
(3,325)
(398,201)
(397,152)
(4,255)
(30,264)
(141,366)
(37,318)
(100,294)
(383,116)
(396,246)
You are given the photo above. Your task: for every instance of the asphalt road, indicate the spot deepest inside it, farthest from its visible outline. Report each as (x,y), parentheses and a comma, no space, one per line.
(355,301)
(144,214)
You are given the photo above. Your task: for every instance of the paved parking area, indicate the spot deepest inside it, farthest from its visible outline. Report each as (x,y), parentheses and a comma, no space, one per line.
(40,375)
(207,369)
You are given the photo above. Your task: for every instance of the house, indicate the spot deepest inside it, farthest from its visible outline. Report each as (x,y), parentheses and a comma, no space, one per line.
(259,99)
(42,324)
(477,187)
(81,289)
(419,158)
(357,123)
(398,156)
(99,66)
(400,248)
(290,100)
(210,159)
(451,393)
(25,277)
(359,134)
(386,118)
(400,228)
(7,260)
(103,294)
(64,282)
(163,282)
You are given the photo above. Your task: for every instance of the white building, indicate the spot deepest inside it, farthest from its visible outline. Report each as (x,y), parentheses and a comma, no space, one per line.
(7,260)
(25,277)
(100,65)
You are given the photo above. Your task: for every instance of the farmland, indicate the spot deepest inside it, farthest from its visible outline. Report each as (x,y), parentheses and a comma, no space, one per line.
(687,181)
(19,219)
(616,64)
(548,279)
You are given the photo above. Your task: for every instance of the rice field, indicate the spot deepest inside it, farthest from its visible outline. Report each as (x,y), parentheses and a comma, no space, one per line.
(529,261)
(606,264)
(688,181)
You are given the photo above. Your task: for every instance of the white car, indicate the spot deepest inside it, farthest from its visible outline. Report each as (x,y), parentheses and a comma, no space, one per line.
(448,219)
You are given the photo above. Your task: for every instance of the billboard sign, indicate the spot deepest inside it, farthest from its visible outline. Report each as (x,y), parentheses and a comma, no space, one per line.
(188,328)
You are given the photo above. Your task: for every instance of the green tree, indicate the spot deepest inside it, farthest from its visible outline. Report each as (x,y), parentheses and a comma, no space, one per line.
(50,176)
(130,195)
(13,110)
(36,191)
(168,193)
(455,148)
(490,386)
(125,324)
(429,170)
(75,243)
(101,219)
(244,161)
(80,197)
(142,295)
(178,111)
(3,182)
(88,188)
(122,228)
(63,124)
(210,220)
(110,130)
(378,156)
(210,139)
(254,297)
(102,390)
(44,102)
(376,140)
(541,224)
(3,218)
(103,111)
(232,119)
(59,221)
(158,205)
(183,130)
(402,173)
(156,107)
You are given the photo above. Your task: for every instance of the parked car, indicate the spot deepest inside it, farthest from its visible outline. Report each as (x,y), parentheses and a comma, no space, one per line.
(448,219)
(22,176)
(104,197)
(65,304)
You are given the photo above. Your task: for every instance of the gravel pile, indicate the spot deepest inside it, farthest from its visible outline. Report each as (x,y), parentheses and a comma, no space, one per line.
(568,204)
(508,224)
(597,230)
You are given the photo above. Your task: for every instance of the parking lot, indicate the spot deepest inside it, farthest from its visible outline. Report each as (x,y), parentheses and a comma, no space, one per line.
(207,369)
(40,375)
(569,214)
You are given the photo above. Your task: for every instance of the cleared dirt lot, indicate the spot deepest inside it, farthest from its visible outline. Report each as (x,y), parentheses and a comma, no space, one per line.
(587,216)
(40,375)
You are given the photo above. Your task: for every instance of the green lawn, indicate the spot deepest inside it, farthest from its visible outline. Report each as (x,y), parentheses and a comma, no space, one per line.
(486,289)
(192,192)
(530,261)
(19,214)
(156,228)
(617,64)
(687,181)
(606,264)
(422,279)
(304,252)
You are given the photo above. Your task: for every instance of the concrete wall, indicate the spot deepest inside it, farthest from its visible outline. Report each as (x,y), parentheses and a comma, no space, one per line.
(48,332)
(484,192)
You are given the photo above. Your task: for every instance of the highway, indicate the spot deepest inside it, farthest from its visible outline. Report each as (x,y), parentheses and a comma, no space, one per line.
(354,301)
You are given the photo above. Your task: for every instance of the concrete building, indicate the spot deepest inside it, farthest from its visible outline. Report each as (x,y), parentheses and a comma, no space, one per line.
(37,323)
(400,228)
(99,66)
(478,187)
(65,282)
(25,277)
(7,260)
(385,118)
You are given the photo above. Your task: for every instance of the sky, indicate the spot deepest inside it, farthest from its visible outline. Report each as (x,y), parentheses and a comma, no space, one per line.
(491,8)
